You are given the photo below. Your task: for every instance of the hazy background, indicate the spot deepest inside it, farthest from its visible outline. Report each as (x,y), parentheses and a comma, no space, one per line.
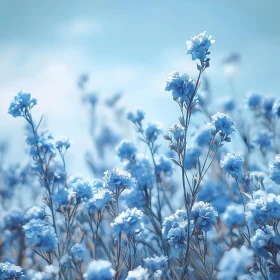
(124,45)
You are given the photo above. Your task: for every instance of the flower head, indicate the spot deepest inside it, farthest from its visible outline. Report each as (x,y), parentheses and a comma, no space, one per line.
(181,85)
(234,215)
(223,123)
(21,104)
(117,179)
(156,263)
(138,273)
(254,100)
(78,251)
(126,150)
(174,228)
(99,270)
(234,263)
(177,131)
(41,235)
(203,216)
(232,165)
(136,117)
(152,131)
(129,222)
(199,45)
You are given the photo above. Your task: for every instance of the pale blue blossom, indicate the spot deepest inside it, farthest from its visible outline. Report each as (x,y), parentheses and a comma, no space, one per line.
(99,270)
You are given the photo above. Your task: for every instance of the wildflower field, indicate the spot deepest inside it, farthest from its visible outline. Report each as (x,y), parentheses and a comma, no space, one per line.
(197,199)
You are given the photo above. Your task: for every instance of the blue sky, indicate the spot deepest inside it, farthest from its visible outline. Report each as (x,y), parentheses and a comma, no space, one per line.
(125,45)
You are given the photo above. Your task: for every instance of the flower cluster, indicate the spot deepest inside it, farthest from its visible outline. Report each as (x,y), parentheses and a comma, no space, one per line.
(129,222)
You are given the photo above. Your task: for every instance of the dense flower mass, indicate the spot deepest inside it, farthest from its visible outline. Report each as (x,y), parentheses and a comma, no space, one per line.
(10,271)
(181,85)
(203,216)
(199,45)
(41,235)
(99,270)
(21,104)
(232,165)
(129,222)
(157,213)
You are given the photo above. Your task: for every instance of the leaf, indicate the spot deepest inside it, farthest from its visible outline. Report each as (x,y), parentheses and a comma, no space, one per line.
(176,162)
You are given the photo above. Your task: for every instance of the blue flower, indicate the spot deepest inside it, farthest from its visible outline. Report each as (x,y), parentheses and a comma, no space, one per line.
(129,222)
(21,104)
(126,150)
(276,108)
(14,220)
(227,104)
(232,165)
(174,228)
(163,165)
(274,170)
(61,197)
(235,262)
(215,193)
(203,216)
(177,131)
(181,85)
(134,197)
(117,179)
(254,100)
(63,143)
(99,201)
(264,241)
(35,212)
(268,105)
(257,214)
(152,131)
(203,136)
(156,263)
(41,235)
(136,117)
(191,157)
(10,271)
(142,171)
(234,216)
(199,45)
(83,190)
(223,123)
(78,251)
(263,141)
(138,273)
(99,270)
